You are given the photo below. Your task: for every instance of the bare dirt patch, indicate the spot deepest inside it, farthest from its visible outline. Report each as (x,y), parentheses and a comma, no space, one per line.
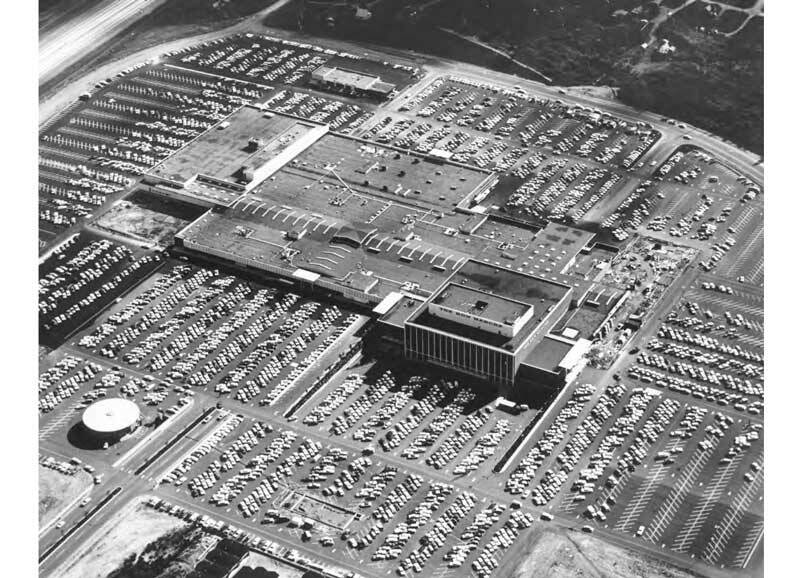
(129,532)
(56,490)
(255,561)
(561,554)
(146,218)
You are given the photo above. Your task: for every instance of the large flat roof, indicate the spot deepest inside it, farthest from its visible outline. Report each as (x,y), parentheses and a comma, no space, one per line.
(347,77)
(548,354)
(212,165)
(556,245)
(534,290)
(480,303)
(541,294)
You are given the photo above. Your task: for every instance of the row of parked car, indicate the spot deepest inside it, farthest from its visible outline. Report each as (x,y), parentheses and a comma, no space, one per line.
(451,446)
(583,437)
(49,399)
(339,116)
(503,539)
(228,423)
(437,535)
(471,537)
(626,427)
(249,330)
(553,436)
(418,517)
(442,421)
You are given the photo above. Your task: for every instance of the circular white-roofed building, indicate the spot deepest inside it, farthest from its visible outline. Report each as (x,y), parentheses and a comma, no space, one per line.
(111,418)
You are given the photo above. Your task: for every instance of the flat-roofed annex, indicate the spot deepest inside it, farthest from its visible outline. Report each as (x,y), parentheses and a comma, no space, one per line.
(235,156)
(480,308)
(541,295)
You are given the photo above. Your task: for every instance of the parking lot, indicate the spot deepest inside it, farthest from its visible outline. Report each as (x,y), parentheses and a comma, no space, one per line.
(82,276)
(642,463)
(709,347)
(448,425)
(532,121)
(199,328)
(374,512)
(273,61)
(341,116)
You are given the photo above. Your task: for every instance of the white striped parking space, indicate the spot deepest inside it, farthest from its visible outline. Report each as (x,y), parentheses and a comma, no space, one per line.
(749,544)
(442,571)
(743,217)
(642,497)
(679,492)
(57,423)
(758,273)
(615,491)
(713,492)
(726,303)
(731,519)
(567,503)
(755,243)
(752,340)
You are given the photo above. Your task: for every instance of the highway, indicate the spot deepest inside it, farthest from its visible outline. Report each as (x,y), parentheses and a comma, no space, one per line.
(70,41)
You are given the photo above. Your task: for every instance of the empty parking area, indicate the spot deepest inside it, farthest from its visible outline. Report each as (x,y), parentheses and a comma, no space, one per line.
(710,347)
(199,328)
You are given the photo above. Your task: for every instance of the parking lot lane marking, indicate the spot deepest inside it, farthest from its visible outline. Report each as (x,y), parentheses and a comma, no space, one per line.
(749,546)
(679,492)
(289,214)
(329,228)
(725,529)
(644,493)
(712,493)
(257,208)
(745,253)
